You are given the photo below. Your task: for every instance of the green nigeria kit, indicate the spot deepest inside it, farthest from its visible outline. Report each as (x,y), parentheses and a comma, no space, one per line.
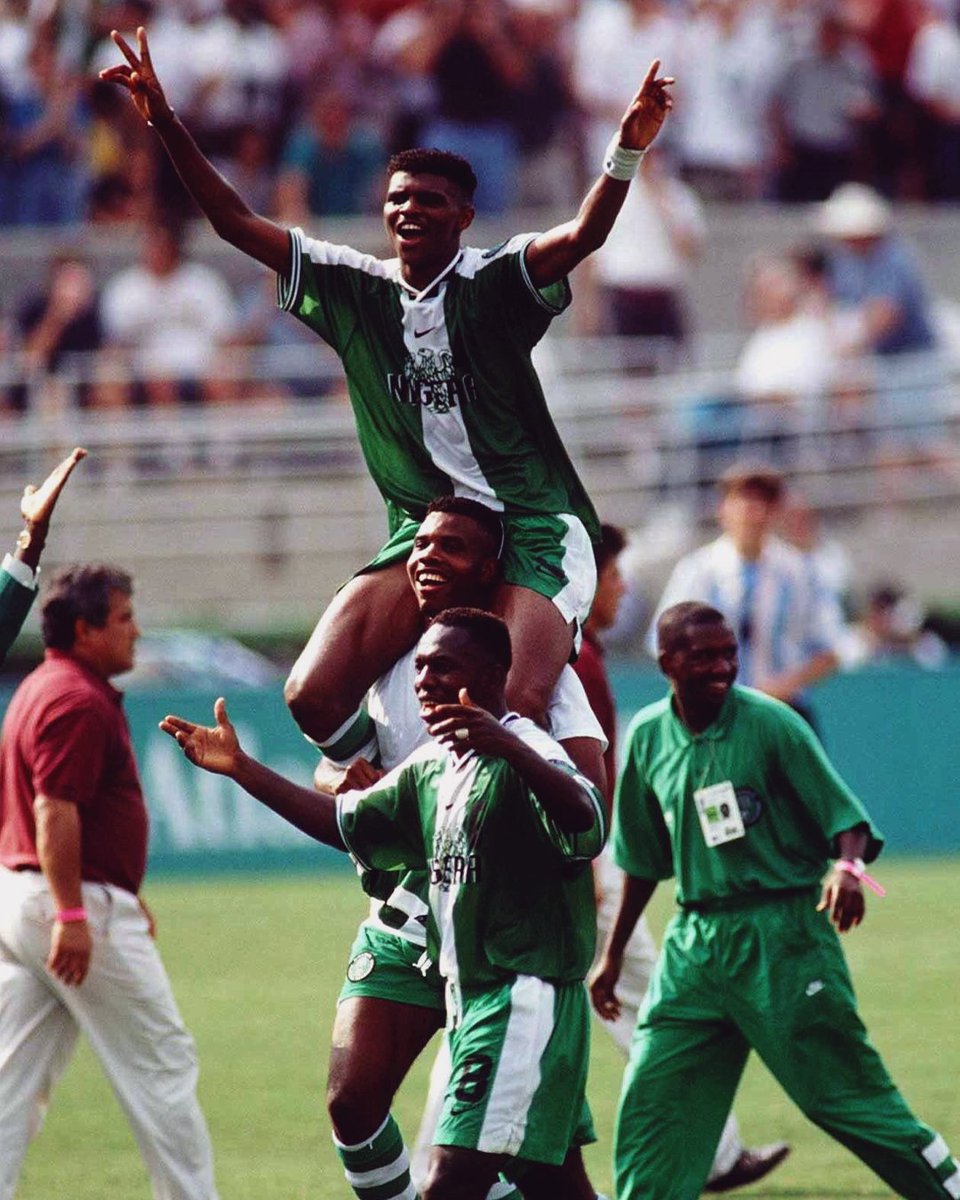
(745,816)
(443,389)
(512,928)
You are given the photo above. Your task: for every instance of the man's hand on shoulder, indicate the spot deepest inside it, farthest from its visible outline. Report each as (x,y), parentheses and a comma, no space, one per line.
(215,748)
(466,726)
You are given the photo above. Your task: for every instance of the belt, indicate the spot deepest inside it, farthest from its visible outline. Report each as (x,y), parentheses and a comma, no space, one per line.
(26,867)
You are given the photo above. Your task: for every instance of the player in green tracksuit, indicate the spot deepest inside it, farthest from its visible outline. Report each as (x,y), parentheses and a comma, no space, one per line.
(729,792)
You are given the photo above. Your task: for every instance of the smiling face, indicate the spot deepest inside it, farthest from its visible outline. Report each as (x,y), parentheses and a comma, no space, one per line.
(424,216)
(453,563)
(702,666)
(449,659)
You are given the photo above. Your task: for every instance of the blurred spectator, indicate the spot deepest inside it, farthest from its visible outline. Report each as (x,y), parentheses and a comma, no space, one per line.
(788,364)
(823,103)
(886,29)
(544,115)
(890,631)
(642,268)
(330,166)
(402,51)
(872,275)
(477,72)
(801,525)
(730,55)
(54,326)
(788,624)
(42,172)
(932,81)
(250,168)
(240,62)
(613,39)
(171,317)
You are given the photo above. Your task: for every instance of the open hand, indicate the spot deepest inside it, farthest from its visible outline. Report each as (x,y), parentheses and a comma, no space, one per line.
(215,748)
(647,111)
(38,503)
(139,78)
(842,898)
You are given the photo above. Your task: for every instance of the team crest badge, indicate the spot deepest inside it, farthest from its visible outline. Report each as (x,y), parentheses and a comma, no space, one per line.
(361,966)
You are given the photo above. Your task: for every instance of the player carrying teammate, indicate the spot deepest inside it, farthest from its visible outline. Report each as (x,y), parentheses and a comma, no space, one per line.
(436,345)
(496,813)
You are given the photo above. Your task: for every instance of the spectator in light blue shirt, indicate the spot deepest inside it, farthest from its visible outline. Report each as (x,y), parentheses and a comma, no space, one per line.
(788,622)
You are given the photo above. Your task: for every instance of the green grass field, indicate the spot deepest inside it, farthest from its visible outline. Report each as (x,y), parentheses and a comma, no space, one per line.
(257,966)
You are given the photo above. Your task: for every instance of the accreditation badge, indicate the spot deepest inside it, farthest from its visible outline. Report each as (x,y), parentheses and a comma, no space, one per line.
(719,813)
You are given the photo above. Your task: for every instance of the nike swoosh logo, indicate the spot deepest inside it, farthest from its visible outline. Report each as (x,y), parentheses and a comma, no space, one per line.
(423,332)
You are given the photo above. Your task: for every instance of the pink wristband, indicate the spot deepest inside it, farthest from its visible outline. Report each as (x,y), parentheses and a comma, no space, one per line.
(856,870)
(67,915)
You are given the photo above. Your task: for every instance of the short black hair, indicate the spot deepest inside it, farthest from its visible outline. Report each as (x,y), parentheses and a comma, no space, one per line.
(763,480)
(79,590)
(674,623)
(461,506)
(444,163)
(612,542)
(487,631)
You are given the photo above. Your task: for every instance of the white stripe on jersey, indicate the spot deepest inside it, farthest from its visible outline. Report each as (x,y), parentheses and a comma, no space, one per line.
(444,430)
(936,1152)
(529,1028)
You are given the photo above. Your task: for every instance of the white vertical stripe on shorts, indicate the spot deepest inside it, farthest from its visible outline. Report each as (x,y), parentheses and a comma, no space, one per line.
(575,598)
(529,1028)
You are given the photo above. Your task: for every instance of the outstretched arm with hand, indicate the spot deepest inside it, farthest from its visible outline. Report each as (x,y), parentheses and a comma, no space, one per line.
(232,219)
(216,748)
(37,505)
(555,253)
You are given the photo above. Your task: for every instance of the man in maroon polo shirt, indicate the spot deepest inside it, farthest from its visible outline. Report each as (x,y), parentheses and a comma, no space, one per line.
(76,945)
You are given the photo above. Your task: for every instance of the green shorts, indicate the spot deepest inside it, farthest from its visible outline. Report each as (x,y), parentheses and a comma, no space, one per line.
(388,967)
(549,554)
(519,1071)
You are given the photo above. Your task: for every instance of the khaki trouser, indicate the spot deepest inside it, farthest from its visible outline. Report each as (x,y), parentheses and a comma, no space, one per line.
(126,1009)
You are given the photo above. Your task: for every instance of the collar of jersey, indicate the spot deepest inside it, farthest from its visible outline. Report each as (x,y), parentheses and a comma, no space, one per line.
(420,295)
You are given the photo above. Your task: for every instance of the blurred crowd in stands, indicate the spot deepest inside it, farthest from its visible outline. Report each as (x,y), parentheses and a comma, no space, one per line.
(298,100)
(847,105)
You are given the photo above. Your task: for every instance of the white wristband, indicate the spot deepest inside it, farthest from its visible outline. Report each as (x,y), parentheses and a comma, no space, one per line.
(619,162)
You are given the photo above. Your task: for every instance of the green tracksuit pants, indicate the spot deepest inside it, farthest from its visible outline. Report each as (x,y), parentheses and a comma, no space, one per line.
(767,975)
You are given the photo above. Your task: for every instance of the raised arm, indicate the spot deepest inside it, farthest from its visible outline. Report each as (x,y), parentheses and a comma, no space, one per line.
(564,797)
(555,253)
(255,235)
(37,505)
(217,749)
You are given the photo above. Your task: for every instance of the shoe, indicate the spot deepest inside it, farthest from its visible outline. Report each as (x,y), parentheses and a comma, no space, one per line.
(749,1167)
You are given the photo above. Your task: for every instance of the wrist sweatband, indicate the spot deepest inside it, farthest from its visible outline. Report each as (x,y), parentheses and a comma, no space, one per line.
(68,915)
(854,867)
(619,162)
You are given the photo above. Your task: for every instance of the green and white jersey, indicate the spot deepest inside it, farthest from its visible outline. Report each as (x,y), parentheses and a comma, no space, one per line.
(443,389)
(509,892)
(791,800)
(400,903)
